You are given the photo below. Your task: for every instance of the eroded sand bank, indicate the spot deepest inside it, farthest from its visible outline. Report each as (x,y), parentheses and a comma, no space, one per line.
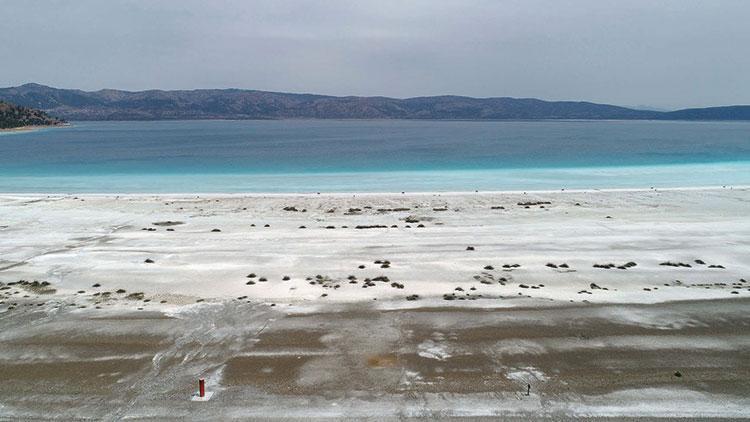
(438,330)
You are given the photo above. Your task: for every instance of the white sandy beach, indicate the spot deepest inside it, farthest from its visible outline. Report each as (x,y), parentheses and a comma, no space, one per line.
(75,242)
(449,332)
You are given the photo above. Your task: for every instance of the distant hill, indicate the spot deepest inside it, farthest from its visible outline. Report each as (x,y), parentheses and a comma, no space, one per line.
(711,113)
(247,104)
(13,116)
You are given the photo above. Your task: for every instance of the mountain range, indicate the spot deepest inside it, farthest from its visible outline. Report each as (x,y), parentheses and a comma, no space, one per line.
(108,104)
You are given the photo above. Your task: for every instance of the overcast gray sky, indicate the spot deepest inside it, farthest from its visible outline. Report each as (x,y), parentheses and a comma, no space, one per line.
(672,53)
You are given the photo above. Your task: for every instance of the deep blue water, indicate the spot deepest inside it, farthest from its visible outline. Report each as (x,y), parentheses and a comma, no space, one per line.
(303,156)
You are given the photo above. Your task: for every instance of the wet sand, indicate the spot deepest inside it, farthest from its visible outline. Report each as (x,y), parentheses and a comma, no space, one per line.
(361,361)
(102,334)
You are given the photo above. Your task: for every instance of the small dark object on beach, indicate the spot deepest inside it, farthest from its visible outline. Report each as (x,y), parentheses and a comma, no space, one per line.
(361,267)
(81,291)
(675,264)
(285,278)
(170,230)
(699,262)
(563,265)
(215,231)
(96,285)
(678,374)
(469,248)
(593,286)
(523,286)
(251,275)
(489,267)
(267,225)
(716,266)
(420,226)
(551,265)
(302,227)
(149,261)
(459,289)
(534,203)
(120,291)
(262,279)
(330,227)
(412,297)
(324,295)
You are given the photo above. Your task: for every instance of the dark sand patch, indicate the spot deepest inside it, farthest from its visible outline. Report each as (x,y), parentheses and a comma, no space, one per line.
(65,378)
(276,374)
(289,339)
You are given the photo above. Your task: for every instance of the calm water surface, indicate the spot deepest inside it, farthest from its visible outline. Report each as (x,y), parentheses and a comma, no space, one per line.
(357,156)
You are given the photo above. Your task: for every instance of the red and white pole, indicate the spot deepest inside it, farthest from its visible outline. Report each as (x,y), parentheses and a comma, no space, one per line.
(202,387)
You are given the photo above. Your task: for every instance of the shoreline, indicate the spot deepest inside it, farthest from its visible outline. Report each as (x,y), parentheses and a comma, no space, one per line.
(676,176)
(34,128)
(365,194)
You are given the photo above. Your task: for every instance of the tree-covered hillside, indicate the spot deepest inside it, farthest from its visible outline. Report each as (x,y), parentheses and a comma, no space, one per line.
(13,116)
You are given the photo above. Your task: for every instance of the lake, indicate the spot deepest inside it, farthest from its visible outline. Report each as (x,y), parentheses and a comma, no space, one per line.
(372,156)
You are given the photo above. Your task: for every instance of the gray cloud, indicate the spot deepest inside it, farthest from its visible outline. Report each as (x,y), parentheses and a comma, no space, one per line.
(669,53)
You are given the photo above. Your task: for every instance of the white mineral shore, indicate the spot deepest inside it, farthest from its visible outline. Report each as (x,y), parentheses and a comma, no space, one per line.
(76,242)
(569,304)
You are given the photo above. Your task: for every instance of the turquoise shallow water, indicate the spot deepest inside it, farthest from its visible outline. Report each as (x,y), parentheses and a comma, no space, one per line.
(372,156)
